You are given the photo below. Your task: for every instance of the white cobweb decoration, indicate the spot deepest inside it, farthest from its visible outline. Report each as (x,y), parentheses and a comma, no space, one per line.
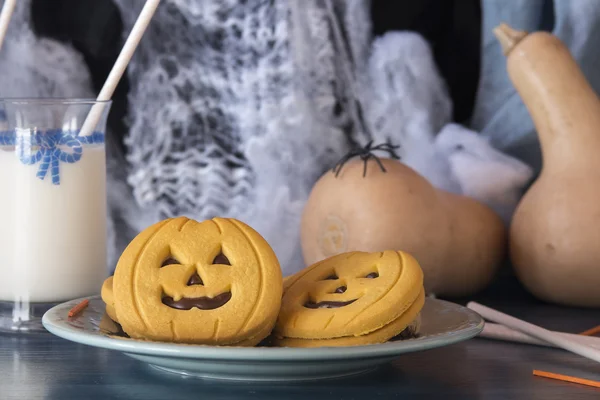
(32,66)
(238,106)
(235,112)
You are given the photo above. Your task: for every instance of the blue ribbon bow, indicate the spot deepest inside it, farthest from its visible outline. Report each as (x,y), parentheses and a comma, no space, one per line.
(50,148)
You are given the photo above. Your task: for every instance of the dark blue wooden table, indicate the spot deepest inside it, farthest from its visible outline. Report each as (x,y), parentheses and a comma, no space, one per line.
(46,367)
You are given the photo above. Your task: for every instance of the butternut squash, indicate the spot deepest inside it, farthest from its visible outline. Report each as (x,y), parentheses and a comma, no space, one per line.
(555,230)
(374,204)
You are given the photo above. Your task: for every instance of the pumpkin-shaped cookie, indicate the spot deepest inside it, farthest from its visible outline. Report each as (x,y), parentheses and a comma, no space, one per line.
(211,282)
(405,326)
(108,298)
(351,294)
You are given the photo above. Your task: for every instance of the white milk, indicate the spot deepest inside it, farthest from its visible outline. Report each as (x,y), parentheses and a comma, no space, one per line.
(52,237)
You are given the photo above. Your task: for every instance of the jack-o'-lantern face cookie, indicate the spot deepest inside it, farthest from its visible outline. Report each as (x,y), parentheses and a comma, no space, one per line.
(211,282)
(351,294)
(404,327)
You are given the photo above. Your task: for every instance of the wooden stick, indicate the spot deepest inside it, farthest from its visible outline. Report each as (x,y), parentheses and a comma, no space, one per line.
(536,331)
(79,308)
(566,378)
(501,332)
(5,15)
(118,69)
(591,332)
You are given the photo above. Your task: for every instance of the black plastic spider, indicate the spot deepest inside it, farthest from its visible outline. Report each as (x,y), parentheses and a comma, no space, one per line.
(366,153)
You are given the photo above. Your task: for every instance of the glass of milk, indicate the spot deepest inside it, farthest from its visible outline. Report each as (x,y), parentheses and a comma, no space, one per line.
(53,202)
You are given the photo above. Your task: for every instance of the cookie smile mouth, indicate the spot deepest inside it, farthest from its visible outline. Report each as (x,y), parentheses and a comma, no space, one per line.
(202,303)
(328,304)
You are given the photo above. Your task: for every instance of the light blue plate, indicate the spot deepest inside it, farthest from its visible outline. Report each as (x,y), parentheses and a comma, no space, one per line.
(442,323)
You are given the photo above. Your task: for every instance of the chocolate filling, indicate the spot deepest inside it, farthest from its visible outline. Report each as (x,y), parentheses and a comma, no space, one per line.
(372,275)
(331,277)
(195,280)
(203,303)
(169,261)
(221,259)
(408,333)
(341,289)
(328,304)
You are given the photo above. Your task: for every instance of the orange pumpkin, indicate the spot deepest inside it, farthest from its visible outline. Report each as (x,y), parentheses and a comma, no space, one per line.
(375,204)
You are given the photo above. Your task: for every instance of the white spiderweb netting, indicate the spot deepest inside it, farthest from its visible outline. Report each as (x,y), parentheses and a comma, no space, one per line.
(236,109)
(238,106)
(31,66)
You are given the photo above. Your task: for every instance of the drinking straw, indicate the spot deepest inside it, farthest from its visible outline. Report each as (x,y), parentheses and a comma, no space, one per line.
(536,331)
(7,11)
(118,69)
(501,332)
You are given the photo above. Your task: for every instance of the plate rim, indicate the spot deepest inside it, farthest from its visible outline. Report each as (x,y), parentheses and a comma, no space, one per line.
(263,354)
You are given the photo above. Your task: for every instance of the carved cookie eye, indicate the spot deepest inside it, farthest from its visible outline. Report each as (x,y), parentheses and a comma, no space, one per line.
(169,261)
(221,259)
(331,277)
(372,275)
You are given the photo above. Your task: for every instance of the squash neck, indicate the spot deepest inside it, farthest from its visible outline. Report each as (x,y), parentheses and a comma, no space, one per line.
(562,151)
(508,37)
